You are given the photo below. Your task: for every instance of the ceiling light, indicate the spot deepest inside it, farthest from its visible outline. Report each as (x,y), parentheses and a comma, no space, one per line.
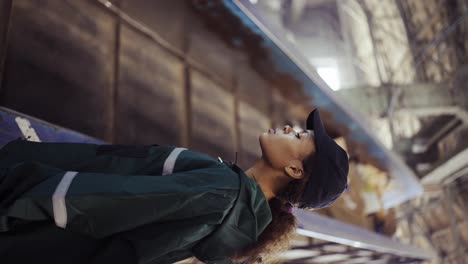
(330,76)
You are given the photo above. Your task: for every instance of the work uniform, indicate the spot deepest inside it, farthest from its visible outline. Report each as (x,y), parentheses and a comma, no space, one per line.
(85,203)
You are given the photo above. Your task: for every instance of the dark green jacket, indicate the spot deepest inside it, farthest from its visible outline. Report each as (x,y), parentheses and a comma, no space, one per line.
(162,204)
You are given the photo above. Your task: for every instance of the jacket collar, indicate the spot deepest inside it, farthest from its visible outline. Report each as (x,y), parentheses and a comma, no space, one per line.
(247,219)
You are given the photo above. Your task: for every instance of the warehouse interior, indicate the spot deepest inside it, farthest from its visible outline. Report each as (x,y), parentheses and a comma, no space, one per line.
(389,77)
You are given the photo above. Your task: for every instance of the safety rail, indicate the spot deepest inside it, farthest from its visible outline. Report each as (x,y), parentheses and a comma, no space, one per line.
(327,229)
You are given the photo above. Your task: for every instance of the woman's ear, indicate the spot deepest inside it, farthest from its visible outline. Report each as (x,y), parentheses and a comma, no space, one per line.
(294,170)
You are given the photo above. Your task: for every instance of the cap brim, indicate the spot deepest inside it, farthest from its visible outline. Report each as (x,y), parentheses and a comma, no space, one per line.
(315,124)
(330,167)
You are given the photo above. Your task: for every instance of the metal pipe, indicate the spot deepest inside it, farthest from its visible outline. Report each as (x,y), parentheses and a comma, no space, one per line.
(324,228)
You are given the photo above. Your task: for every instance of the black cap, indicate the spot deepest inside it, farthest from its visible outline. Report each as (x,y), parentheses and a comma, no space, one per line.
(327,168)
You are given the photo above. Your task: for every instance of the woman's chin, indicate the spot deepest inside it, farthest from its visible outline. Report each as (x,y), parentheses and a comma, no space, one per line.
(262,140)
(263,137)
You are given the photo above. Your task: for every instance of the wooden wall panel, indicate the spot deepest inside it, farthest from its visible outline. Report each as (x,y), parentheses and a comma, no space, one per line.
(68,62)
(253,89)
(252,123)
(5,8)
(150,101)
(59,64)
(209,52)
(280,114)
(166,18)
(213,129)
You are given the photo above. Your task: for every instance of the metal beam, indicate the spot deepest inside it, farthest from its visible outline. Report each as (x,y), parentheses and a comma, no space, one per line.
(443,131)
(351,254)
(435,111)
(416,96)
(447,169)
(313,246)
(324,228)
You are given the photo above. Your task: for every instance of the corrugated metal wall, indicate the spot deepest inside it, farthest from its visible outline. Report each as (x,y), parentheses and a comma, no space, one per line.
(78,65)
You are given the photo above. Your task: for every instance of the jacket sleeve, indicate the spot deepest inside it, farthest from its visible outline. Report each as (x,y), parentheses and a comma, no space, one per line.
(100,205)
(85,157)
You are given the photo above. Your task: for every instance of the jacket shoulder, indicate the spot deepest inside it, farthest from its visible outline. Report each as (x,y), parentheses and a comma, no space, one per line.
(242,226)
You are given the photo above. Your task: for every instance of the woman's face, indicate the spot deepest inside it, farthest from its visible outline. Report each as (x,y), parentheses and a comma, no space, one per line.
(281,146)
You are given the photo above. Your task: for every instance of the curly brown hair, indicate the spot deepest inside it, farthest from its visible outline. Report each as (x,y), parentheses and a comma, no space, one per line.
(276,237)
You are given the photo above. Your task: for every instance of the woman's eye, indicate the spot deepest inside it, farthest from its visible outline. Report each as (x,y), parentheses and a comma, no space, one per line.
(298,135)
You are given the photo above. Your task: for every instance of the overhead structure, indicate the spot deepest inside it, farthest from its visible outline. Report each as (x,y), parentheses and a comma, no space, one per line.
(288,59)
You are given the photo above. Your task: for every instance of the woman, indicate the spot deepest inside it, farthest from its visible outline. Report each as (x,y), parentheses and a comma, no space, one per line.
(83,203)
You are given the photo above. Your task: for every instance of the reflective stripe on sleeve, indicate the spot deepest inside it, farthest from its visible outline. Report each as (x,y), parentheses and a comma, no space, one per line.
(58,199)
(169,164)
